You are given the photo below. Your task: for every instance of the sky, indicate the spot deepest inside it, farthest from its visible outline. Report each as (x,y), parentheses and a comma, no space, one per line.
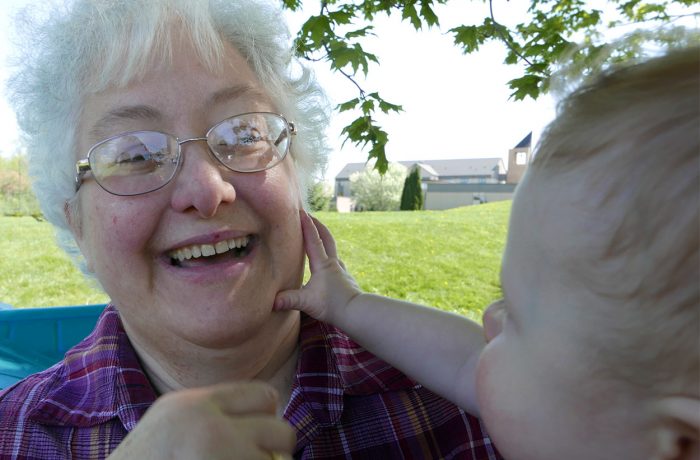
(455,105)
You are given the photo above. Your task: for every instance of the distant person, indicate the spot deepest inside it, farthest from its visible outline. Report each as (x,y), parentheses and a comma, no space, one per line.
(171,143)
(593,351)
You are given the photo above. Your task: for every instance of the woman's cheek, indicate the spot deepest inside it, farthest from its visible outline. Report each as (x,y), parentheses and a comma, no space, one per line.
(117,228)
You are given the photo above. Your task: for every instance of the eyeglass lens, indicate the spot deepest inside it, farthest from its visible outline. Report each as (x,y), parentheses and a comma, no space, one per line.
(144,161)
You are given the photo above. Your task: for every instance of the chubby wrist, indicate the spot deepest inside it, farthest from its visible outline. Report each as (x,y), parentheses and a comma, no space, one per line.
(342,317)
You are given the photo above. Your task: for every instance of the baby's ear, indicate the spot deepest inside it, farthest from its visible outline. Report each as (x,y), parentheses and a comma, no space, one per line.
(677,435)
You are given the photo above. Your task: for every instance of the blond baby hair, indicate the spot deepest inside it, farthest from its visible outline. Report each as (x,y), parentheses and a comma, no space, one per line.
(633,136)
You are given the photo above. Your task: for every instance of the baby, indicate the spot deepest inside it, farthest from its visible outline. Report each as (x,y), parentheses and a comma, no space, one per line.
(594,350)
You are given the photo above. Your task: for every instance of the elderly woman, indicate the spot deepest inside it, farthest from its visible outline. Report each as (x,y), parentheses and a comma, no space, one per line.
(159,153)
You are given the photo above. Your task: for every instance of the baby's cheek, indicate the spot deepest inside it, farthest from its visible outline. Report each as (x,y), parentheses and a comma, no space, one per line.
(494,400)
(483,378)
(493,381)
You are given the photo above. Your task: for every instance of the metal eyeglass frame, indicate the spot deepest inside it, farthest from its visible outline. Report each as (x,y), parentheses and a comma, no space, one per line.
(83,166)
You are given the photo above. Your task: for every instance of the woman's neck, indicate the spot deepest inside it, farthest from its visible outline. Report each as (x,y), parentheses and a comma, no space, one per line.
(269,356)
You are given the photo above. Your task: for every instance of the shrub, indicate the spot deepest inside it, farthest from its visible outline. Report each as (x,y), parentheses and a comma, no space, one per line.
(374,192)
(412,195)
(320,197)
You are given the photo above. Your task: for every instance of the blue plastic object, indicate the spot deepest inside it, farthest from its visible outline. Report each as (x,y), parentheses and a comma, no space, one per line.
(33,339)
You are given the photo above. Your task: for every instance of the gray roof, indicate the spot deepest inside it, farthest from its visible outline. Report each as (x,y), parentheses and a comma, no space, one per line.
(467,167)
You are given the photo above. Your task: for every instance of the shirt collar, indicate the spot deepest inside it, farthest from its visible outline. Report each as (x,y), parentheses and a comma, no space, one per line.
(99,379)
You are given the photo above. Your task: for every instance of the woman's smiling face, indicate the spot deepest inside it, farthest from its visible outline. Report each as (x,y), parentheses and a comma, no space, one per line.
(131,243)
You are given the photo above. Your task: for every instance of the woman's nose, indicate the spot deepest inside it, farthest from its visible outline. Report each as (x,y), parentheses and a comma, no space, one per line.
(200,185)
(493,319)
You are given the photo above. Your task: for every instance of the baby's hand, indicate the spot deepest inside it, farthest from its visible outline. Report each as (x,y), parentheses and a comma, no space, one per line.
(330,288)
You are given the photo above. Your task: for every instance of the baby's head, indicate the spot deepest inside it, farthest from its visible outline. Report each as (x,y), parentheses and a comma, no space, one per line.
(595,351)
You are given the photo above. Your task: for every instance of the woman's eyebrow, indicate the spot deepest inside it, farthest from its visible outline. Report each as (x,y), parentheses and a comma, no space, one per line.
(236,92)
(128,112)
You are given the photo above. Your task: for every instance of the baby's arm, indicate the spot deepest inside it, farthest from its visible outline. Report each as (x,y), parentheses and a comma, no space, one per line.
(436,348)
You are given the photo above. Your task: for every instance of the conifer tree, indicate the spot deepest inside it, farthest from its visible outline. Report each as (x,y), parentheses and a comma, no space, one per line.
(412,195)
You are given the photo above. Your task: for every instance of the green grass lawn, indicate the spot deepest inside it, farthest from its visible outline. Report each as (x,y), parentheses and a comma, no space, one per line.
(35,272)
(447,259)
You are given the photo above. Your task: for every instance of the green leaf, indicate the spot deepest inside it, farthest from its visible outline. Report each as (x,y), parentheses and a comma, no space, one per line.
(410,13)
(342,16)
(342,56)
(428,14)
(363,32)
(386,107)
(367,106)
(527,85)
(291,5)
(378,151)
(348,105)
(468,37)
(316,28)
(355,131)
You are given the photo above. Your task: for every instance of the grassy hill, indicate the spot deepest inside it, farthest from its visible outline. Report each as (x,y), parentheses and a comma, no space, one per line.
(447,259)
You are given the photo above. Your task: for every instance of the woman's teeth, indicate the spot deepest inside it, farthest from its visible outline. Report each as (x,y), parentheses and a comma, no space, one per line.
(205,250)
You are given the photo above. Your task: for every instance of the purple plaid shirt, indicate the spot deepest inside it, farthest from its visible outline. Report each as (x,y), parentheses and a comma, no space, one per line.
(345,403)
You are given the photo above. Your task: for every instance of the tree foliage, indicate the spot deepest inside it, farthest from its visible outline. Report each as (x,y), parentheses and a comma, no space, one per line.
(412,195)
(555,29)
(16,196)
(378,192)
(320,197)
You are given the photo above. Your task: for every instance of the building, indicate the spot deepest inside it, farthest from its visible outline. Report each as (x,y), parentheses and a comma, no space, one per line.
(518,159)
(454,183)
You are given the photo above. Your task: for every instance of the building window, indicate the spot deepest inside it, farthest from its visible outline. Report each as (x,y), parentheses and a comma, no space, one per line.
(521,158)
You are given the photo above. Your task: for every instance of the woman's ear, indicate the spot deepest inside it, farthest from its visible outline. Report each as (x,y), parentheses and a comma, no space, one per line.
(677,434)
(72,214)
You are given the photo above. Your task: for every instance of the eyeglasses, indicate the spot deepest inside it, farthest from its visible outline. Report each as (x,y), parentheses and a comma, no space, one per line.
(139,162)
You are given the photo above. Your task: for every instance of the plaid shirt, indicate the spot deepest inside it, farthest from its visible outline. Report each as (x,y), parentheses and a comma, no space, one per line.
(345,403)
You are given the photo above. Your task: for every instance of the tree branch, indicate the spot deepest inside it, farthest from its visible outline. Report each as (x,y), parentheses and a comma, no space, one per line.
(503,37)
(324,9)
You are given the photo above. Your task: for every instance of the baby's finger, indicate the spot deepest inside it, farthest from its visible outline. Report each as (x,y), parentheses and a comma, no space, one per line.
(287,300)
(237,398)
(273,435)
(326,237)
(313,244)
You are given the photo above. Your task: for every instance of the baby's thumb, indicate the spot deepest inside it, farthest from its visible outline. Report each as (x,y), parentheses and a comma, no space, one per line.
(287,300)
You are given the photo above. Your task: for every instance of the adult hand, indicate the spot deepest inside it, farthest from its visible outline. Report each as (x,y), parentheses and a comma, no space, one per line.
(225,421)
(330,288)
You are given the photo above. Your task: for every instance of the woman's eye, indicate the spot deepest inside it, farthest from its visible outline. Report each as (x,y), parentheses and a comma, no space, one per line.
(250,139)
(128,158)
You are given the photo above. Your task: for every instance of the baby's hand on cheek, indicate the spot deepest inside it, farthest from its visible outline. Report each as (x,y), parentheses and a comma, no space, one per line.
(331,288)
